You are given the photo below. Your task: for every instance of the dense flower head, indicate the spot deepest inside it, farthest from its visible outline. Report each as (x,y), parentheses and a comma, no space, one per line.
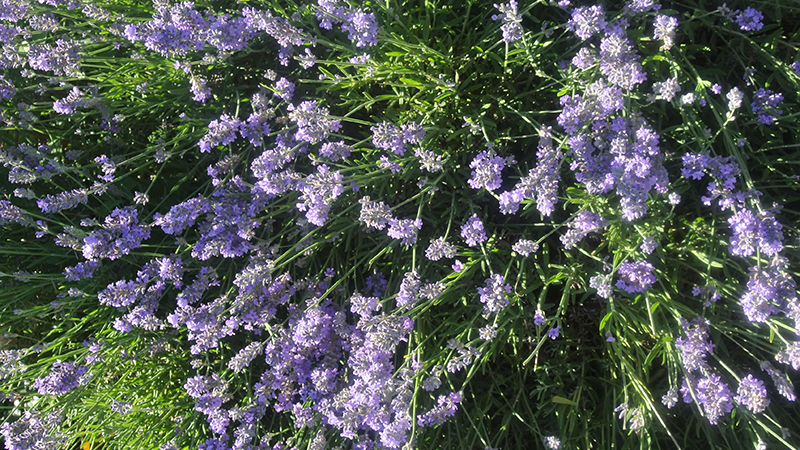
(790,355)
(375,215)
(361,27)
(735,97)
(581,225)
(667,89)
(752,231)
(781,380)
(313,122)
(770,290)
(752,394)
(601,282)
(64,377)
(619,61)
(61,59)
(749,19)
(446,407)
(765,104)
(695,346)
(405,230)
(284,89)
(319,191)
(525,247)
(715,396)
(665,30)
(486,170)
(473,232)
(586,21)
(439,248)
(390,137)
(512,28)
(221,131)
(81,270)
(635,276)
(34,431)
(119,234)
(493,294)
(63,200)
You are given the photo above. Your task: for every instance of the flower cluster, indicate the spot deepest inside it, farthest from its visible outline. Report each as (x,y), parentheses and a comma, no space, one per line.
(512,22)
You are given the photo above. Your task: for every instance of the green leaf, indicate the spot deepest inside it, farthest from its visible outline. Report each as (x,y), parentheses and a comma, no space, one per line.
(563,401)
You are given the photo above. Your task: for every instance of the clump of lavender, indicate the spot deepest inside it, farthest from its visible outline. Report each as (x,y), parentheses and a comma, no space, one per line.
(313,122)
(390,137)
(770,290)
(405,230)
(34,431)
(446,407)
(525,247)
(473,232)
(752,394)
(765,105)
(61,59)
(376,215)
(665,30)
(486,170)
(581,225)
(512,22)
(439,248)
(221,131)
(790,355)
(695,346)
(586,21)
(64,377)
(667,89)
(635,277)
(493,294)
(715,396)
(749,19)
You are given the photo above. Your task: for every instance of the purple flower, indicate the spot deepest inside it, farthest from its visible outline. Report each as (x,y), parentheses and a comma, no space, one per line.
(32,431)
(61,59)
(781,380)
(525,247)
(735,97)
(7,89)
(602,283)
(493,294)
(486,169)
(538,318)
(318,194)
(665,30)
(581,225)
(750,232)
(619,61)
(790,355)
(63,378)
(770,289)
(749,19)
(313,122)
(695,346)
(361,27)
(284,89)
(715,396)
(752,394)
(648,245)
(439,248)
(446,407)
(335,151)
(512,28)
(63,200)
(220,132)
(405,230)
(552,442)
(375,215)
(472,231)
(765,105)
(554,332)
(388,137)
(200,91)
(81,270)
(120,233)
(667,89)
(409,293)
(635,276)
(586,21)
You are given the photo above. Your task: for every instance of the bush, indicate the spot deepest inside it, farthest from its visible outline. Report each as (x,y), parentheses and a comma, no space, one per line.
(399,224)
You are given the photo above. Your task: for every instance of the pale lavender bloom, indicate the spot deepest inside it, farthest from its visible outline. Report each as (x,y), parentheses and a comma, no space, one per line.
(790,355)
(538,318)
(313,122)
(284,89)
(439,248)
(765,104)
(488,332)
(552,442)
(525,247)
(512,28)
(319,191)
(409,292)
(581,225)
(716,88)
(433,290)
(586,21)
(695,346)
(667,89)
(81,270)
(602,283)
(121,407)
(405,230)
(635,277)
(486,171)
(375,215)
(619,61)
(715,396)
(7,89)
(670,399)
(554,333)
(493,294)
(446,406)
(782,382)
(64,377)
(749,19)
(665,30)
(220,132)
(335,151)
(429,160)
(473,232)
(750,232)
(584,59)
(796,67)
(648,245)
(32,431)
(735,97)
(200,91)
(457,266)
(752,394)
(769,290)
(361,27)
(245,356)
(63,200)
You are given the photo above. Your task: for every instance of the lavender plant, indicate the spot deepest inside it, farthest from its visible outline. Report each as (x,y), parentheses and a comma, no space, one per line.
(397,225)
